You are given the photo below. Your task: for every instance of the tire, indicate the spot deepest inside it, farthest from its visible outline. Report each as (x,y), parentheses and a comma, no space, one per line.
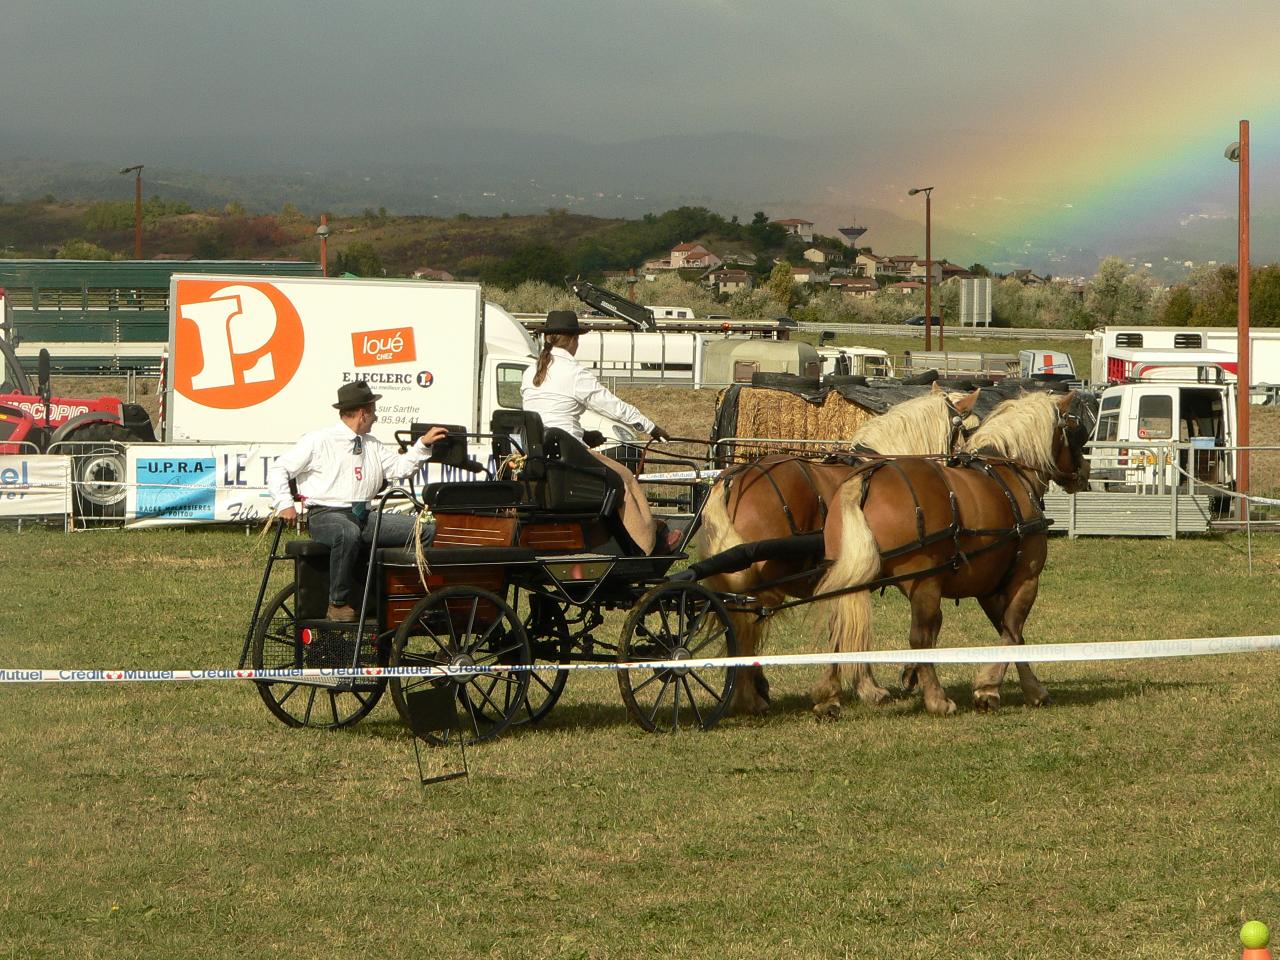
(677,622)
(99,470)
(548,631)
(464,626)
(279,642)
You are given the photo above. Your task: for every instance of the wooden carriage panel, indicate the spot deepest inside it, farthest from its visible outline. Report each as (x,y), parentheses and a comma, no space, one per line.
(473,530)
(552,536)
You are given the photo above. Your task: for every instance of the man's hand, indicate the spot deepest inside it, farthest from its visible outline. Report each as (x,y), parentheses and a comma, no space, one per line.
(288,514)
(658,433)
(434,435)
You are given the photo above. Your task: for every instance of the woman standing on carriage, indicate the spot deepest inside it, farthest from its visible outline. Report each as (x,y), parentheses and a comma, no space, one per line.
(559,390)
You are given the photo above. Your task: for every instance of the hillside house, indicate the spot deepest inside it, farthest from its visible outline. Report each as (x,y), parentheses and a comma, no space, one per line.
(805,275)
(802,230)
(858,288)
(869,265)
(741,258)
(900,264)
(906,287)
(953,271)
(687,255)
(921,269)
(1029,279)
(728,281)
(814,255)
(428,273)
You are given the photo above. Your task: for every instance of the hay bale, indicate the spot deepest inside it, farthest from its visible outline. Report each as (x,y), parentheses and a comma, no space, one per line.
(780,415)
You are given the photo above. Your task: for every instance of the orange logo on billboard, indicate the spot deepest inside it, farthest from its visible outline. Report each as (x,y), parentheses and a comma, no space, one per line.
(383,346)
(235,345)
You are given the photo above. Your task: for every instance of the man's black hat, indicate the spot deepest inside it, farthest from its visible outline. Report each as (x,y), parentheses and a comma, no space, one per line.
(352,395)
(562,321)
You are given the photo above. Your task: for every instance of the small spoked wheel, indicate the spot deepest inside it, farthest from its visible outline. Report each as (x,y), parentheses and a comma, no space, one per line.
(684,623)
(464,627)
(280,643)
(548,631)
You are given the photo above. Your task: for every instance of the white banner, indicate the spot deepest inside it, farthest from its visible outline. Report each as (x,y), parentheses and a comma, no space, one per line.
(35,486)
(177,484)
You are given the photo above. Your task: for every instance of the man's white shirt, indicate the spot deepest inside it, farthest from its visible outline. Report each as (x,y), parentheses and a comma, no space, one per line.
(330,473)
(568,390)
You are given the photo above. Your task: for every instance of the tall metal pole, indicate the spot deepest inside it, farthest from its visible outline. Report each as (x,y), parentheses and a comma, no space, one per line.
(137,215)
(323,234)
(1243,379)
(928,267)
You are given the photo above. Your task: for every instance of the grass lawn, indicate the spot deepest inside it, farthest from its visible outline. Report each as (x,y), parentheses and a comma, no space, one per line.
(1134,818)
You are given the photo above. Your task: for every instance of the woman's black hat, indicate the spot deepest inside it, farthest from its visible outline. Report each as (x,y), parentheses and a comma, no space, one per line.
(562,321)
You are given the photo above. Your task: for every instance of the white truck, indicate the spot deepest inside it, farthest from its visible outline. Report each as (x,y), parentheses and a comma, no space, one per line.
(1117,350)
(255,362)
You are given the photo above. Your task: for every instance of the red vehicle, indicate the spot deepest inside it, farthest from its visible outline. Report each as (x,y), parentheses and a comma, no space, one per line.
(90,429)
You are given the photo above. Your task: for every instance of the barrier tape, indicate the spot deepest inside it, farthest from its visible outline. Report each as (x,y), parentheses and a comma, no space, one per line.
(1039,653)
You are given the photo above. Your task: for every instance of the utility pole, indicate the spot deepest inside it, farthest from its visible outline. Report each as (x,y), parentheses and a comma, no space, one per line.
(137,209)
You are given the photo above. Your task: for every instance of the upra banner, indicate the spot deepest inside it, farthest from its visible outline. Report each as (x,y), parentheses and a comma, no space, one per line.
(179,484)
(35,486)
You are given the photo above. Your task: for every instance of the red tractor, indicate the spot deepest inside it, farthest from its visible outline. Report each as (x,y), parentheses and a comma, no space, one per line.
(89,429)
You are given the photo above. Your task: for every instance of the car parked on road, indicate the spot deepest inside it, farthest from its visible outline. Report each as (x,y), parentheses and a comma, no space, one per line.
(918,321)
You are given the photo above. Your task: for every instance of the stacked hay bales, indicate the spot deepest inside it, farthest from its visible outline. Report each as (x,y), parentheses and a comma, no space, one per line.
(783,415)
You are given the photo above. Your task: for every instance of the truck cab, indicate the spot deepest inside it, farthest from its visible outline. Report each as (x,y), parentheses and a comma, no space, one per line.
(1151,435)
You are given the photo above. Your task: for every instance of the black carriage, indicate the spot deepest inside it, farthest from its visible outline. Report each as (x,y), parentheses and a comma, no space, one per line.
(520,573)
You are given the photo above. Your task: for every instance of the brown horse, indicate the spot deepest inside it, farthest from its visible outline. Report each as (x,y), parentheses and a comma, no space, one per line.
(783,496)
(976,529)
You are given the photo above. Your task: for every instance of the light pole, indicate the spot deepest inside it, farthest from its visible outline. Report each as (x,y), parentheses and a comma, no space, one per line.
(1238,152)
(928,262)
(322,232)
(137,209)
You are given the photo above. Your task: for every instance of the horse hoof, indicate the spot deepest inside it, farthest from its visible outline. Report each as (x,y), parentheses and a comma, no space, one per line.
(907,679)
(827,711)
(761,683)
(986,702)
(944,708)
(874,696)
(1040,700)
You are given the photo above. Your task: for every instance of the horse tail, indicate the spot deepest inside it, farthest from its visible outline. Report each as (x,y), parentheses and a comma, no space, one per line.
(856,560)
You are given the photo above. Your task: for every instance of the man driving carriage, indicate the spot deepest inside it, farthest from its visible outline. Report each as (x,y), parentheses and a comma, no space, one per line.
(338,471)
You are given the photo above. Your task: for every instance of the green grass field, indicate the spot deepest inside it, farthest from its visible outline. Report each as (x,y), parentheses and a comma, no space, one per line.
(1134,818)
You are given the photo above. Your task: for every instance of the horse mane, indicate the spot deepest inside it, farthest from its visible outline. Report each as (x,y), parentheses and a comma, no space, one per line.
(1020,429)
(921,425)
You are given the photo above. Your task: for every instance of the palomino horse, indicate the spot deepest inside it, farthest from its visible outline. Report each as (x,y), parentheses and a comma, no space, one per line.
(784,496)
(976,529)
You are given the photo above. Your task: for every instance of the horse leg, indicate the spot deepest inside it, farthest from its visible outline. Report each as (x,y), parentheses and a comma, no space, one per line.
(751,691)
(1007,612)
(926,624)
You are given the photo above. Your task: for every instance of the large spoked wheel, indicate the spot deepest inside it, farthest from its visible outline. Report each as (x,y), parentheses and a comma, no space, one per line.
(279,643)
(685,623)
(465,627)
(548,631)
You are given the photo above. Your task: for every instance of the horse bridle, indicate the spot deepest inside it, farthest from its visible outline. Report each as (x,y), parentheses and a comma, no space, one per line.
(1071,426)
(959,432)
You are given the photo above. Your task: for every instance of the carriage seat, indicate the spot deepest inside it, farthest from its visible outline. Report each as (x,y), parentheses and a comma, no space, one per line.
(473,496)
(306,548)
(575,481)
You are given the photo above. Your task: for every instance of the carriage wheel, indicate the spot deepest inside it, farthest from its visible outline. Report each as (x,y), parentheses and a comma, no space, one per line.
(465,627)
(277,644)
(681,622)
(548,631)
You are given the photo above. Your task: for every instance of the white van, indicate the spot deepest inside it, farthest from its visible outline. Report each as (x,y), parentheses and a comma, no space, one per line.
(1140,426)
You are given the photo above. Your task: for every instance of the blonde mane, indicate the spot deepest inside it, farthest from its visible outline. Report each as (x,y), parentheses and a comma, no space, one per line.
(1022,430)
(921,425)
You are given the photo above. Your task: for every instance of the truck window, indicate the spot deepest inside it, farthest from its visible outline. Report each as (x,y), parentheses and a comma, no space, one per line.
(1155,417)
(1110,403)
(508,384)
(1108,427)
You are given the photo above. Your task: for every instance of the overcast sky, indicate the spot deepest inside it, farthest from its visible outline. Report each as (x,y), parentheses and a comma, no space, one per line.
(952,90)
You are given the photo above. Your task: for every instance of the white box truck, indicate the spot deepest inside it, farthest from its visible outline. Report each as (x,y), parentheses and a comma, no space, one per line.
(256,362)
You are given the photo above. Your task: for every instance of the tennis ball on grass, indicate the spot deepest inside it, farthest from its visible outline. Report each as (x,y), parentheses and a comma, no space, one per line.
(1255,934)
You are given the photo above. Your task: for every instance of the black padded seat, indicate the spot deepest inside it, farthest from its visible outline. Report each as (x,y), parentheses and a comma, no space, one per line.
(575,480)
(456,556)
(469,495)
(306,548)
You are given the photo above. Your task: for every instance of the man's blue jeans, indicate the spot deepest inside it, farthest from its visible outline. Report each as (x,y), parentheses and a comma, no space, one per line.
(343,532)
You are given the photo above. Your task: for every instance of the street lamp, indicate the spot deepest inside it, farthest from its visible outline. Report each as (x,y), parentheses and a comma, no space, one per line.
(928,262)
(1238,152)
(137,209)
(322,232)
